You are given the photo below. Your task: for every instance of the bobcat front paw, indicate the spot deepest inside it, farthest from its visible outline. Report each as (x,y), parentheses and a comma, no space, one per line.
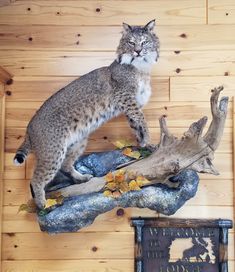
(40,202)
(78,177)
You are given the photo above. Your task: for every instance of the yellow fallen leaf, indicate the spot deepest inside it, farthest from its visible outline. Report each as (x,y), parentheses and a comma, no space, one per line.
(107,193)
(50,202)
(135,154)
(29,207)
(122,143)
(109,177)
(111,186)
(23,208)
(141,181)
(133,185)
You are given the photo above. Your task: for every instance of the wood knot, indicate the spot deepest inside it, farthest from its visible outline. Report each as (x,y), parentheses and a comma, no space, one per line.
(165,108)
(98,10)
(9,191)
(30,39)
(15,246)
(183,35)
(9,81)
(120,212)
(177,52)
(226,13)
(11,234)
(226,73)
(57,13)
(28,9)
(79,35)
(178,70)
(94,249)
(8,93)
(105,137)
(77,42)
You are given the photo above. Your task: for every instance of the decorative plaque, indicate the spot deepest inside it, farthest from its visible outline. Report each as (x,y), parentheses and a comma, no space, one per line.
(181,245)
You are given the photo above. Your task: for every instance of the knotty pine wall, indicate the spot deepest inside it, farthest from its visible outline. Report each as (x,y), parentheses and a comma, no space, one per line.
(45,45)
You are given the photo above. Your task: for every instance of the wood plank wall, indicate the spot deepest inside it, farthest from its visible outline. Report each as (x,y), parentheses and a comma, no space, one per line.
(45,45)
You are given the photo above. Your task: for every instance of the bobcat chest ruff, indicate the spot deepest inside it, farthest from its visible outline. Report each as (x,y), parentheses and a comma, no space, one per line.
(144,92)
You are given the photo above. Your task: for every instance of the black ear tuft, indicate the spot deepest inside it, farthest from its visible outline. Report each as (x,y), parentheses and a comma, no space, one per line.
(150,25)
(126,27)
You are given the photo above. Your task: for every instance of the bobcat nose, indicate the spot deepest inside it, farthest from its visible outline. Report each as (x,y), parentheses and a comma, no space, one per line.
(138,51)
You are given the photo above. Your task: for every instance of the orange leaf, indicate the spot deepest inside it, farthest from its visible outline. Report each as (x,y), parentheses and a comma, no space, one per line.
(116,194)
(123,187)
(120,176)
(109,177)
(127,151)
(130,153)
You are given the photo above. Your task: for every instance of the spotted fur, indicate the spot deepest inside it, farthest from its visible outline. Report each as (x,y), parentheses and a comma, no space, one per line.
(58,132)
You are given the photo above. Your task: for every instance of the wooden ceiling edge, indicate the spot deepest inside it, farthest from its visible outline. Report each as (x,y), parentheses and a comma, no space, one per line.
(5,76)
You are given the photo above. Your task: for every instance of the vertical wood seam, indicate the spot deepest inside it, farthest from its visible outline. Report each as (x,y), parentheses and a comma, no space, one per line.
(169,88)
(2,140)
(207,12)
(233,161)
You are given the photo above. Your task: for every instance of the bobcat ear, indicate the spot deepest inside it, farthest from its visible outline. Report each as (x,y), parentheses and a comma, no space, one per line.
(126,27)
(150,25)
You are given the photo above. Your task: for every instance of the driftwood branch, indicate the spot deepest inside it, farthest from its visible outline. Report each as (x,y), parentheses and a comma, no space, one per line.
(192,151)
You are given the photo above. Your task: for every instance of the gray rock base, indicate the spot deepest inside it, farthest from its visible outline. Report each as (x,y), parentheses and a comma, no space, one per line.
(80,211)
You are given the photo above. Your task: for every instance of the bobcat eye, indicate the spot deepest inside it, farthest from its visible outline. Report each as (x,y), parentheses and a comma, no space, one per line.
(144,42)
(131,43)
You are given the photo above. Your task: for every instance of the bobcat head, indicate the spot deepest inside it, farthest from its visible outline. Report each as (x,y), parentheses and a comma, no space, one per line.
(139,46)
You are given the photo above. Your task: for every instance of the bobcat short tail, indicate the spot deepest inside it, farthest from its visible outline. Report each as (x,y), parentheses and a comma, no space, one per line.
(22,151)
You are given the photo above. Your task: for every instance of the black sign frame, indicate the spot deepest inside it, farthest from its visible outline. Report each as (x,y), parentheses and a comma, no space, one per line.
(141,224)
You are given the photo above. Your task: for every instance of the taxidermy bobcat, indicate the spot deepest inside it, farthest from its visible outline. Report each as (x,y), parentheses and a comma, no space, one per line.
(58,132)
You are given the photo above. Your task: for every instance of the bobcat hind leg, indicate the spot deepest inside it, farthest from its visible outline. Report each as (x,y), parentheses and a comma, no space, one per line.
(73,152)
(44,173)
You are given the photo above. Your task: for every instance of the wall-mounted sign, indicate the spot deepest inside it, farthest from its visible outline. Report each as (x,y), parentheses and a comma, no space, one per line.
(181,245)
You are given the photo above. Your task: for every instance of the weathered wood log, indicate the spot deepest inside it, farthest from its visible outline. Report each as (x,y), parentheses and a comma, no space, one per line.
(193,151)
